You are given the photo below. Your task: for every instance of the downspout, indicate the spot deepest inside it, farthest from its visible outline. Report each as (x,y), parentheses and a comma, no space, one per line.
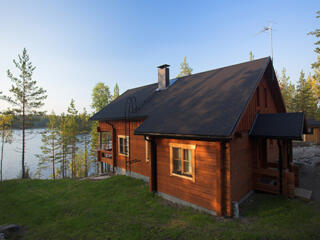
(153,166)
(114,150)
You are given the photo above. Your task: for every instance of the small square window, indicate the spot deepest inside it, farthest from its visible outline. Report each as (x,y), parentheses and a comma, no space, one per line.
(182,160)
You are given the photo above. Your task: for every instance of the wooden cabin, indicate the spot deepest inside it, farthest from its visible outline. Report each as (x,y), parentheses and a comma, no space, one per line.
(207,140)
(313,135)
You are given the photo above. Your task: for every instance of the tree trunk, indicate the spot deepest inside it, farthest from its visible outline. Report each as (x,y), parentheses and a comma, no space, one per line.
(63,161)
(73,160)
(53,161)
(86,157)
(2,153)
(23,142)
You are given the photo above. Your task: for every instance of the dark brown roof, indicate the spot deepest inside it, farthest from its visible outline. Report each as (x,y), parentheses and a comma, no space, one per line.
(279,125)
(313,123)
(207,104)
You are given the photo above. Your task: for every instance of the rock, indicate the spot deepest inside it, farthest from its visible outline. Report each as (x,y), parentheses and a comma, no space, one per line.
(303,193)
(2,236)
(9,228)
(306,155)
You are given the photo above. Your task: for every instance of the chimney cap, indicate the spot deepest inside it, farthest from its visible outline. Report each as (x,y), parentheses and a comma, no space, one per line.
(164,66)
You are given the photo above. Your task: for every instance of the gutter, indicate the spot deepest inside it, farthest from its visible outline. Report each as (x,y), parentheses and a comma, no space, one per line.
(186,136)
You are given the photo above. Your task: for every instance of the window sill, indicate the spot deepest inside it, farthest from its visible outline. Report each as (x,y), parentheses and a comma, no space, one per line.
(183,176)
(122,154)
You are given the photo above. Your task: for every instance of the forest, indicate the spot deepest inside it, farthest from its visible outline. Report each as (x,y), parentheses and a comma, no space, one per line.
(69,141)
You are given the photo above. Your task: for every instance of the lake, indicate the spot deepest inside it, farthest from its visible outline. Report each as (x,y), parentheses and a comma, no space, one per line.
(12,155)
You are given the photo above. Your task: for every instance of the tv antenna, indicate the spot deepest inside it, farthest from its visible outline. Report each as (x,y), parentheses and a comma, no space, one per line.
(265,29)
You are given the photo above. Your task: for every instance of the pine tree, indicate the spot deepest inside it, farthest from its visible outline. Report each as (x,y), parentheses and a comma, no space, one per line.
(63,143)
(50,148)
(115,92)
(5,133)
(251,56)
(316,33)
(27,96)
(287,91)
(316,64)
(72,131)
(304,99)
(185,69)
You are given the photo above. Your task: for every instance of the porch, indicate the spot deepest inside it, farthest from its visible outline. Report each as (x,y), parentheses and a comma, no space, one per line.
(273,170)
(105,152)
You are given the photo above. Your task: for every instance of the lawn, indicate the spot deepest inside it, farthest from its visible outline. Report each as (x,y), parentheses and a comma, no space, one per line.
(122,208)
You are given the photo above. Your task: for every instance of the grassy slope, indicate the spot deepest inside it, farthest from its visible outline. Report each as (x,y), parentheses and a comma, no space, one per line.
(122,208)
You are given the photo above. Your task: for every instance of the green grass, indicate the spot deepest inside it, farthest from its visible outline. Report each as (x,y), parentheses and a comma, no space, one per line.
(122,208)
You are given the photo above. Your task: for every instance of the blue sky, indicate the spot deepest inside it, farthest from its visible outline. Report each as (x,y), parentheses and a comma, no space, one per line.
(76,44)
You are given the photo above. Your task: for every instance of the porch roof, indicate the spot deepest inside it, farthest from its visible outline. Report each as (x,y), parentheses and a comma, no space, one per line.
(279,125)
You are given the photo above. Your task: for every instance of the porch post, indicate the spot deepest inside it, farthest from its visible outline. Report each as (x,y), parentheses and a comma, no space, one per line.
(153,166)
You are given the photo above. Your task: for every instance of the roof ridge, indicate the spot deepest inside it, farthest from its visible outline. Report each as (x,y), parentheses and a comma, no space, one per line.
(233,65)
(140,87)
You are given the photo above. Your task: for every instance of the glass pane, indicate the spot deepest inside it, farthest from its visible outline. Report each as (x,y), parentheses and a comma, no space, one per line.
(187,154)
(176,153)
(177,166)
(106,140)
(121,145)
(187,166)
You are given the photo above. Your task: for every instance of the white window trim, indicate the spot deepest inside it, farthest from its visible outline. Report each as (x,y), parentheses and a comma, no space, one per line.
(193,160)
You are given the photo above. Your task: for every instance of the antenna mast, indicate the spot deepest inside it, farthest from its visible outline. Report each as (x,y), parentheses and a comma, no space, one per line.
(268,29)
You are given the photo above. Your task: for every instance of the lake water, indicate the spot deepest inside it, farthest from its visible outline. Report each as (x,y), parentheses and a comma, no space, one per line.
(12,155)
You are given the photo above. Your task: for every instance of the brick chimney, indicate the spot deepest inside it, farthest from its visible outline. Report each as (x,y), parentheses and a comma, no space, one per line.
(163,76)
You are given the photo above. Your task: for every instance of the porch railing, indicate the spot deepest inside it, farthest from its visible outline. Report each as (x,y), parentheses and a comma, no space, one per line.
(105,156)
(268,180)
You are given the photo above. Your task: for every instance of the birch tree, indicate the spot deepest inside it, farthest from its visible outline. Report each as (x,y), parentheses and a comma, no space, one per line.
(6,135)
(100,98)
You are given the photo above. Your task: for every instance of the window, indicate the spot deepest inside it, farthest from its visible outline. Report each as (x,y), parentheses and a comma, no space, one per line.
(182,161)
(265,98)
(123,145)
(147,151)
(106,141)
(258,97)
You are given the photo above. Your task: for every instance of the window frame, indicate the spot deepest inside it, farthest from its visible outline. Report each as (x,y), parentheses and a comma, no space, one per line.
(192,163)
(128,145)
(109,142)
(147,151)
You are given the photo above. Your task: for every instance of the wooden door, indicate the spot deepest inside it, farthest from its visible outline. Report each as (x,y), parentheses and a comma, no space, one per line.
(262,161)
